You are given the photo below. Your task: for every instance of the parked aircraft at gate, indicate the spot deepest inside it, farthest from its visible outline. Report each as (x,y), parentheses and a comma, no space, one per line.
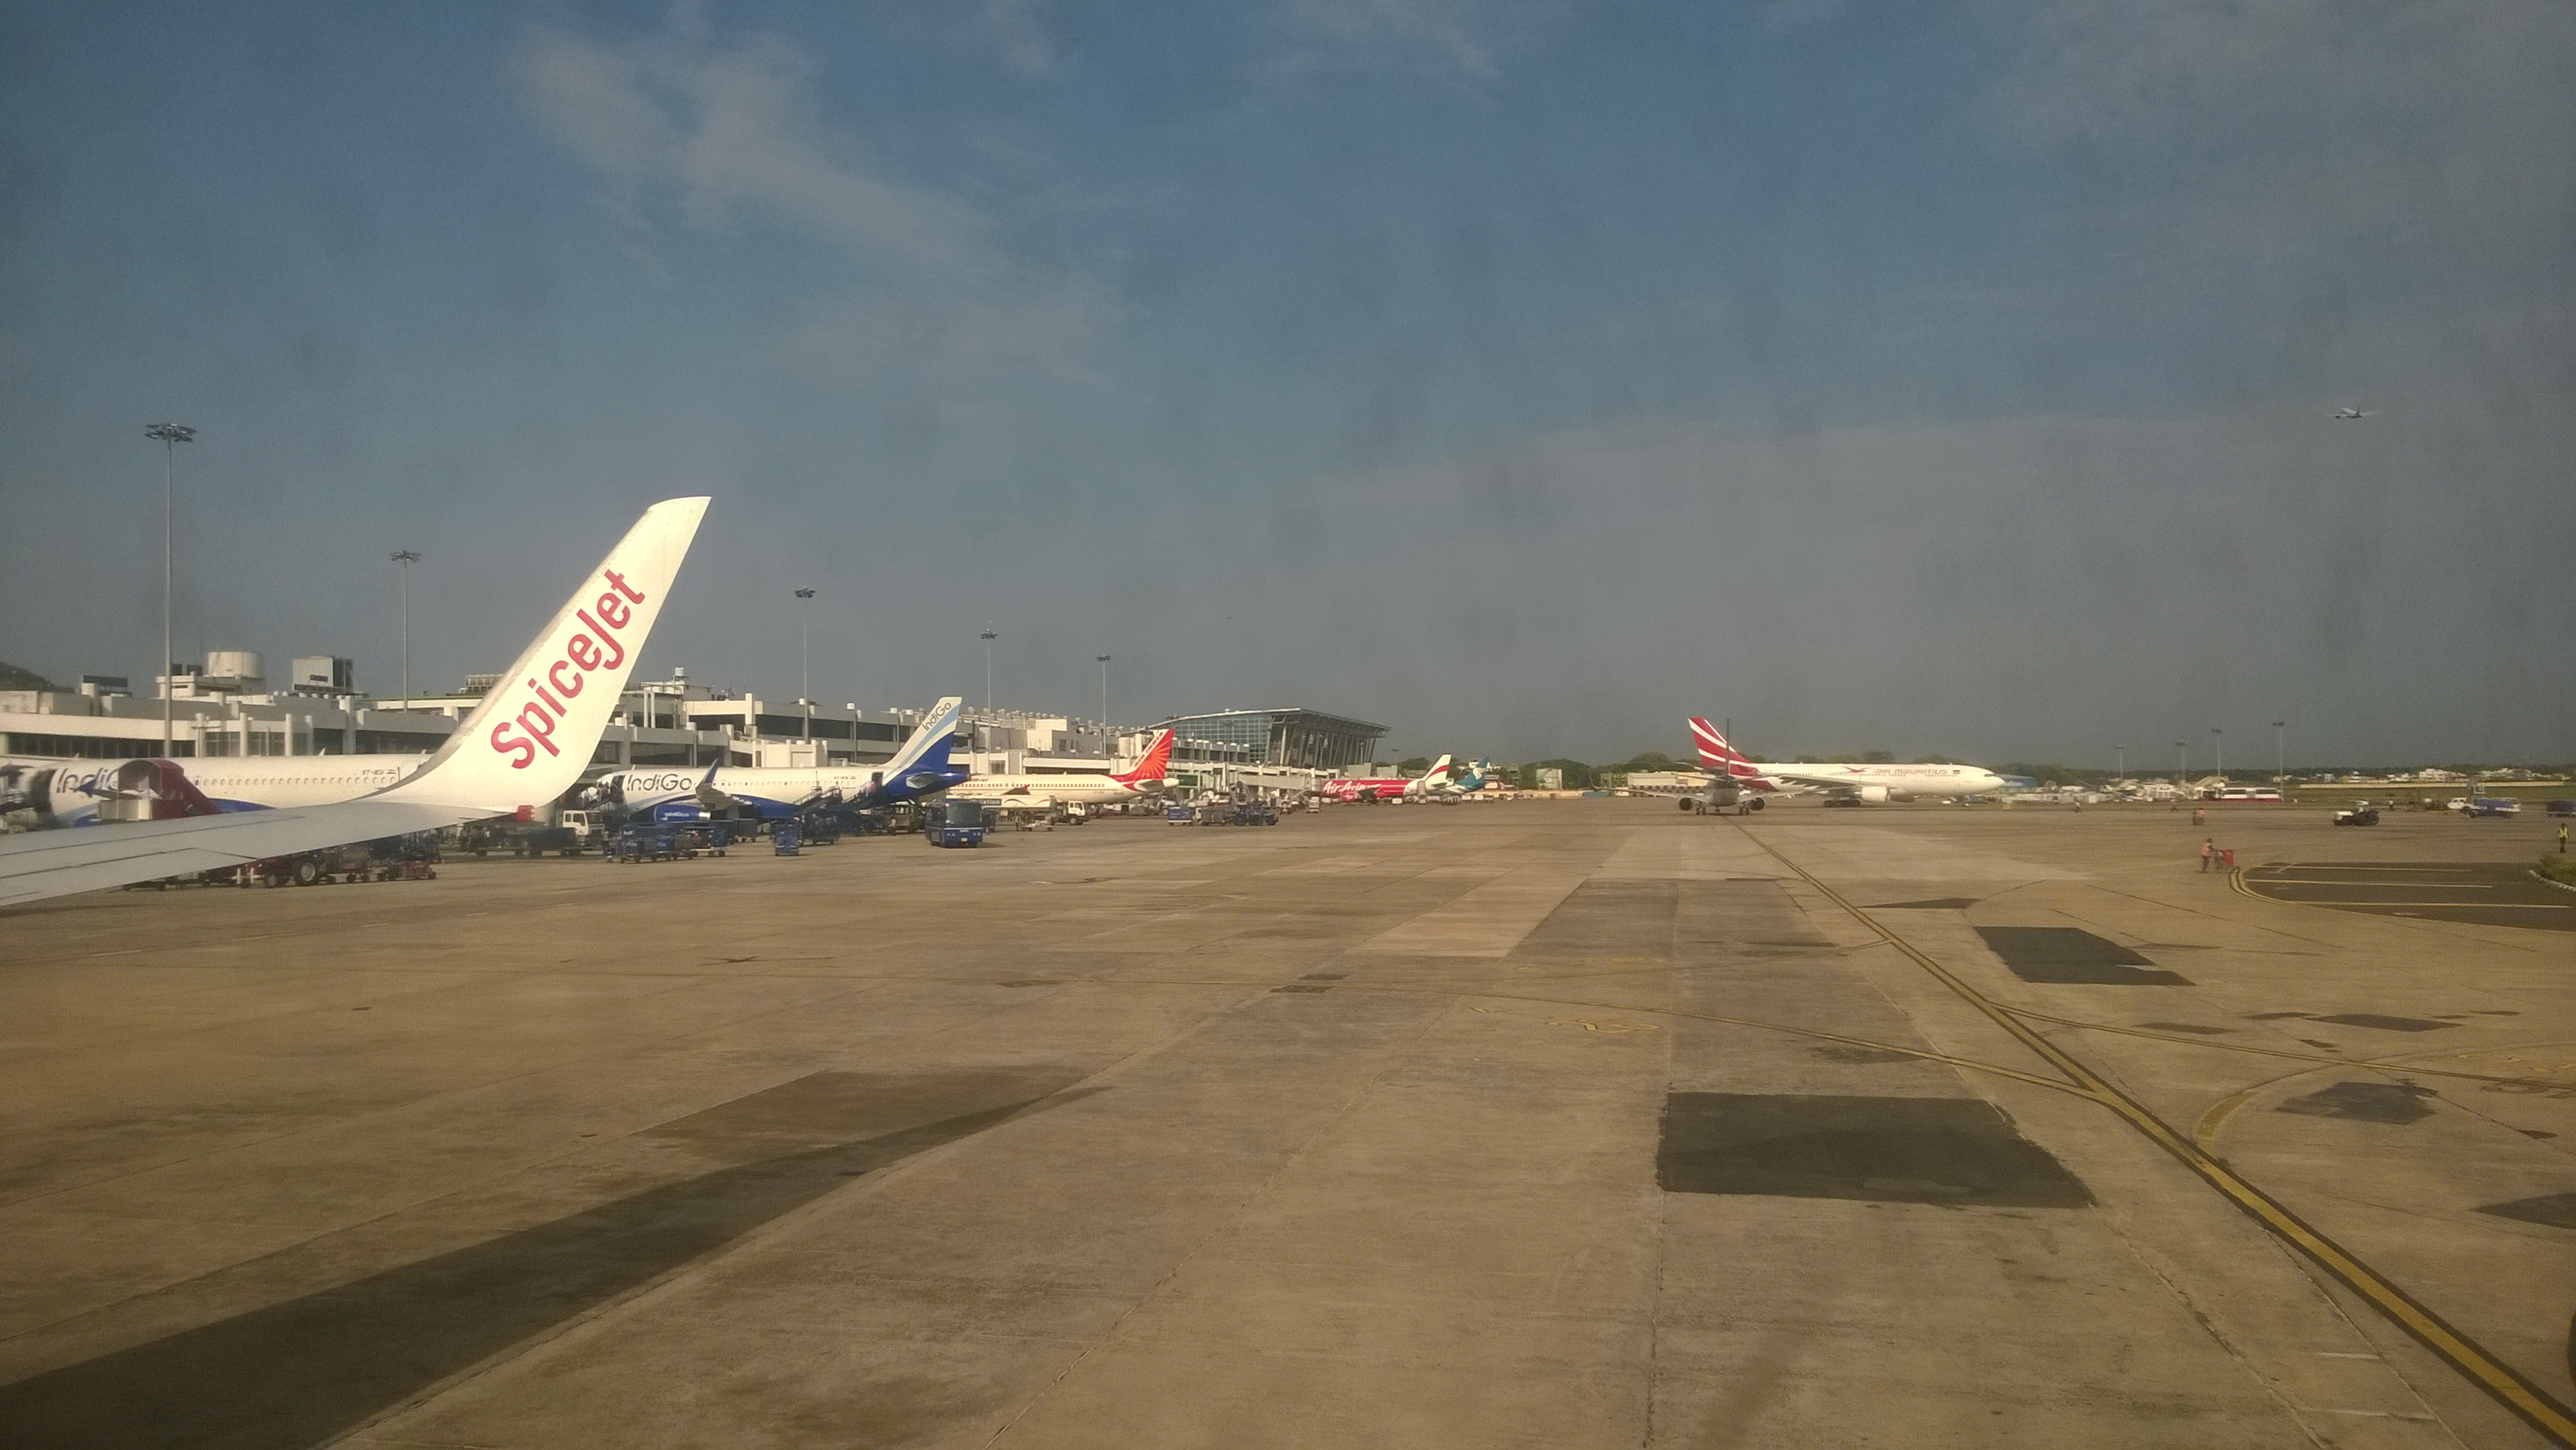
(519,749)
(921,768)
(1871,781)
(1393,787)
(1074,787)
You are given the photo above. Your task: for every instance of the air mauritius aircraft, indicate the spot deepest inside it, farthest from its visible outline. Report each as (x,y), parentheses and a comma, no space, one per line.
(918,770)
(1873,782)
(523,746)
(1434,781)
(1073,787)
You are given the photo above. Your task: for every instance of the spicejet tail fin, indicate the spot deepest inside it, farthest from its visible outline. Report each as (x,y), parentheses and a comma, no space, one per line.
(535,733)
(1150,768)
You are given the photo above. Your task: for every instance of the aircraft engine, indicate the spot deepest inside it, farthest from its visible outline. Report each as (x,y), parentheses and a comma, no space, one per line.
(1875,794)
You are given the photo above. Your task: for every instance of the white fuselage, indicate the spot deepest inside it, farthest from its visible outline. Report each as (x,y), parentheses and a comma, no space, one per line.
(1071,788)
(770,790)
(1894,780)
(72,790)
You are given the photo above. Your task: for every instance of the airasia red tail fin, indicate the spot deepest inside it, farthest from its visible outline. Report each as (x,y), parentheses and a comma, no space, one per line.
(1158,755)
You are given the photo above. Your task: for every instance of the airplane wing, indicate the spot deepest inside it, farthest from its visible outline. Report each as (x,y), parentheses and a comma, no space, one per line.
(1790,775)
(503,756)
(39,864)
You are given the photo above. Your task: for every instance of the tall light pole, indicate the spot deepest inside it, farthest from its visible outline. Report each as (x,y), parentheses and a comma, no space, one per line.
(169,436)
(2120,763)
(1104,700)
(2218,754)
(406,558)
(805,646)
(2280,753)
(2181,753)
(988,636)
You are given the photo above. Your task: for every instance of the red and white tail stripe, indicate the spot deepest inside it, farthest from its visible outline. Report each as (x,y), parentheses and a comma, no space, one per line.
(1715,753)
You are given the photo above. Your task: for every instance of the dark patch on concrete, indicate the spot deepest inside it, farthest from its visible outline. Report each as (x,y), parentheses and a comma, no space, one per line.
(2188,1027)
(2557,1210)
(1294,988)
(2319,1043)
(2393,1103)
(306,1370)
(1959,1152)
(1938,903)
(1323,976)
(2498,894)
(1035,982)
(2496,1012)
(2072,956)
(1843,1052)
(2271,1016)
(2384,1024)
(2535,1132)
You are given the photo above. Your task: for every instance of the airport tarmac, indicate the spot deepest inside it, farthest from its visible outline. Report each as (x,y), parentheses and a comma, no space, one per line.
(1537,1123)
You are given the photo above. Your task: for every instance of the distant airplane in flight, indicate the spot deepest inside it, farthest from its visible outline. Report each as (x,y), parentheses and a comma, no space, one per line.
(2348,414)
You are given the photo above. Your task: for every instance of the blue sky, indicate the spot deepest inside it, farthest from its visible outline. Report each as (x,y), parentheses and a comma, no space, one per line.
(1524,375)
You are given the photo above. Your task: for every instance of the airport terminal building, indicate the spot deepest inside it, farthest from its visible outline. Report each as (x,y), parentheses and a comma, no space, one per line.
(1308,739)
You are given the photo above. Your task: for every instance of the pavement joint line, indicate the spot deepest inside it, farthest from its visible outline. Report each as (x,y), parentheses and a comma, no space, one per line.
(1464,993)
(2535,1406)
(2372,1064)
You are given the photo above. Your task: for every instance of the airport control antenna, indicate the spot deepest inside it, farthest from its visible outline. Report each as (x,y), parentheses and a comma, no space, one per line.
(169,436)
(406,558)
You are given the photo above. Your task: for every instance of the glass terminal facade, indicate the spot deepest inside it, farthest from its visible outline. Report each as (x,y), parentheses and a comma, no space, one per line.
(1307,738)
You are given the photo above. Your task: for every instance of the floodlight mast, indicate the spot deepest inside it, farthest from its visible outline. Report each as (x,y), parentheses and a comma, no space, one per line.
(988,636)
(805,691)
(1104,704)
(169,436)
(406,558)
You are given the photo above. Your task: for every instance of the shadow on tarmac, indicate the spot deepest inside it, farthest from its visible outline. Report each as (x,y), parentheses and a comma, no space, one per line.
(300,1372)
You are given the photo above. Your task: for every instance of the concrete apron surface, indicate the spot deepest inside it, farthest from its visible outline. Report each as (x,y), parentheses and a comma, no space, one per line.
(1519,1123)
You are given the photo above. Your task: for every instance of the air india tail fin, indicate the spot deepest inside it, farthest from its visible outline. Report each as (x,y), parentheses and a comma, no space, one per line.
(1150,767)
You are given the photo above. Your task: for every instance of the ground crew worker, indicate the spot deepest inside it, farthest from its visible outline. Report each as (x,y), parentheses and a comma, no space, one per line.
(2208,848)
(2562,840)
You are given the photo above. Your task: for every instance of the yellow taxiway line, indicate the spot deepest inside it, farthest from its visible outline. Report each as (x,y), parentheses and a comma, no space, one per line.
(2536,1407)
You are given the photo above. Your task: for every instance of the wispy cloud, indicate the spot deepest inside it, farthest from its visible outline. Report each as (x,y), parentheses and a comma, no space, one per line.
(727,136)
(2446,121)
(1465,38)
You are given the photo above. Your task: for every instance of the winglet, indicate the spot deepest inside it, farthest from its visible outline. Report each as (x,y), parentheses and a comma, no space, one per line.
(535,733)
